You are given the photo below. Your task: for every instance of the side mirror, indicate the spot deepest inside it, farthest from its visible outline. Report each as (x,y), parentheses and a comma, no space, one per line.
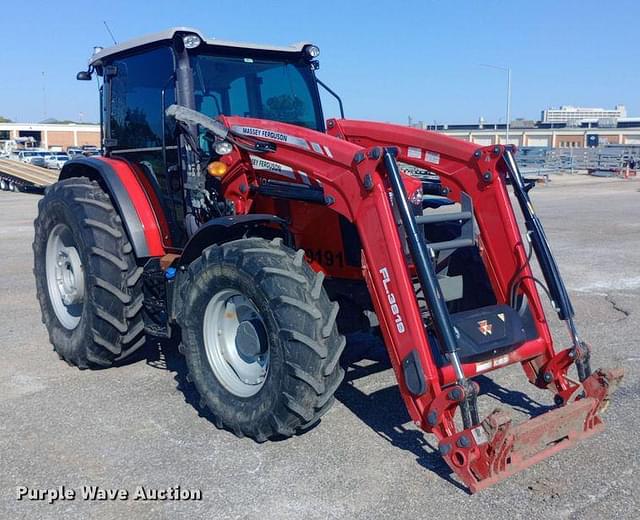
(83,75)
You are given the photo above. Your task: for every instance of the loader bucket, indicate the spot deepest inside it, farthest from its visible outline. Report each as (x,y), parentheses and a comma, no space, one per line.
(496,449)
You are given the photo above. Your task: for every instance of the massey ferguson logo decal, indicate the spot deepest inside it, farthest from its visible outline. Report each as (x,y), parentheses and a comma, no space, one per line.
(485,327)
(395,310)
(259,163)
(270,134)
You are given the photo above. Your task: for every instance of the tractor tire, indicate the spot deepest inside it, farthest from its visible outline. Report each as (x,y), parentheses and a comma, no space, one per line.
(260,339)
(87,280)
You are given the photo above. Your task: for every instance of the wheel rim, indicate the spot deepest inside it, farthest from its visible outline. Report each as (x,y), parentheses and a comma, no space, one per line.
(236,343)
(65,276)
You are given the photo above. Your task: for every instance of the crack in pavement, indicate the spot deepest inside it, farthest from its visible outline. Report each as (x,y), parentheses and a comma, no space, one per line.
(617,307)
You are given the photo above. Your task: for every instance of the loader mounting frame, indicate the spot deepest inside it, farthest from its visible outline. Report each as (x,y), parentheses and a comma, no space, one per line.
(354,172)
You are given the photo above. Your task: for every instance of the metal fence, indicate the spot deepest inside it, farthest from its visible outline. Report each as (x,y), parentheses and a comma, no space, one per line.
(607,160)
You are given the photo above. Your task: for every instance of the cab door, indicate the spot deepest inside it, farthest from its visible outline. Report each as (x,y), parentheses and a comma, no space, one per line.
(138,88)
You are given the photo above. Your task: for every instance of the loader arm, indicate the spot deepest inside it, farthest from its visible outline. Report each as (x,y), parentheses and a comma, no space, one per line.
(354,172)
(478,172)
(482,173)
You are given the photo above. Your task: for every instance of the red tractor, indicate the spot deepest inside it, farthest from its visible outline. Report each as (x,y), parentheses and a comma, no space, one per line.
(224,209)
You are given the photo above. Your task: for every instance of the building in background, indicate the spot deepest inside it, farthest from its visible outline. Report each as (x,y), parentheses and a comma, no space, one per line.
(48,135)
(564,127)
(575,115)
(620,131)
(564,137)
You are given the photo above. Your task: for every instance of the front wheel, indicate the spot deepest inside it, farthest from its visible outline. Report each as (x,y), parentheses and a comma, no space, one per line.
(260,339)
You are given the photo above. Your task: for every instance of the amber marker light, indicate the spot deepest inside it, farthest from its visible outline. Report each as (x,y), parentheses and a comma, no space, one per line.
(217,169)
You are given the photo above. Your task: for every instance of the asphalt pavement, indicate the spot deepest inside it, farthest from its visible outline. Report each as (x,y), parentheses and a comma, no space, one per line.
(133,427)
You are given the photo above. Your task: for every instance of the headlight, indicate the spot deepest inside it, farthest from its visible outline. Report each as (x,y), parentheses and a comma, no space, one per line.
(223,147)
(312,51)
(191,41)
(416,197)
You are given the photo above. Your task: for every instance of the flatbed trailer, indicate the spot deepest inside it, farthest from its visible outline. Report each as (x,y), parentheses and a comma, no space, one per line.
(19,176)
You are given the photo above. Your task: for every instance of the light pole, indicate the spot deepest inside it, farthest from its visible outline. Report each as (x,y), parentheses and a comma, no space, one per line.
(508,71)
(44,94)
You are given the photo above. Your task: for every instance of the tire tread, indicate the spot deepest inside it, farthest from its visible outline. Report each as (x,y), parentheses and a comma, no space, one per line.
(112,276)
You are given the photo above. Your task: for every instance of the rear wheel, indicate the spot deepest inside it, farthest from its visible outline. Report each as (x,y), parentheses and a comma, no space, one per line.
(87,280)
(260,339)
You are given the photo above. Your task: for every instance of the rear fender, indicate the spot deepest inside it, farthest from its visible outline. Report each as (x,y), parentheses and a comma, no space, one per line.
(129,197)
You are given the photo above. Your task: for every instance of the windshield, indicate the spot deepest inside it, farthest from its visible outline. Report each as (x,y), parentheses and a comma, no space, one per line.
(277,90)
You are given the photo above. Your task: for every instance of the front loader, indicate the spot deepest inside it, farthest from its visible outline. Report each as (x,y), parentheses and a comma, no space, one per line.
(227,213)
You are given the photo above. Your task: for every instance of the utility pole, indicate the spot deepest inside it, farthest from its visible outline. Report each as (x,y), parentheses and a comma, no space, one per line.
(44,95)
(508,71)
(508,102)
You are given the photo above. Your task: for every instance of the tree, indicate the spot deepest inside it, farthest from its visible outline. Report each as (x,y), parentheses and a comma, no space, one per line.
(5,120)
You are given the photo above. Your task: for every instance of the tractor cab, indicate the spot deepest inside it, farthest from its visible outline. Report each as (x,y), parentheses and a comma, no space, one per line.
(142,77)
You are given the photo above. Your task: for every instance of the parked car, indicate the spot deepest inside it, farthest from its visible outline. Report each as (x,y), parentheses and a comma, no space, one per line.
(84,153)
(28,156)
(73,152)
(41,159)
(56,161)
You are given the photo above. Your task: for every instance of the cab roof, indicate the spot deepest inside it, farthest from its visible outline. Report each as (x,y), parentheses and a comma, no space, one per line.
(168,34)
